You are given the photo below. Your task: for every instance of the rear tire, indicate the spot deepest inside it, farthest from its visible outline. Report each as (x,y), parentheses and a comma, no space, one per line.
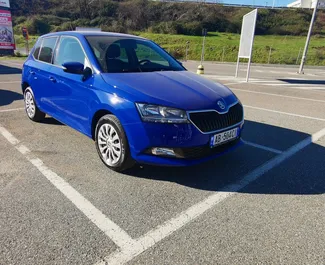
(32,111)
(112,145)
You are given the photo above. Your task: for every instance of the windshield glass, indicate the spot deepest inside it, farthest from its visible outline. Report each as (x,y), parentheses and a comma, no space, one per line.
(120,54)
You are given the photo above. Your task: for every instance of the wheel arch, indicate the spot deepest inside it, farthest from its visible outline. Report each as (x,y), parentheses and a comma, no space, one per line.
(24,85)
(96,117)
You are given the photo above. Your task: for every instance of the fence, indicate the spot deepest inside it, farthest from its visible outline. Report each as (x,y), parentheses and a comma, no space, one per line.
(265,55)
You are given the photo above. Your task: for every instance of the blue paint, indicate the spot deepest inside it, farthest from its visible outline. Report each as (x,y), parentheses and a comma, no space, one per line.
(74,99)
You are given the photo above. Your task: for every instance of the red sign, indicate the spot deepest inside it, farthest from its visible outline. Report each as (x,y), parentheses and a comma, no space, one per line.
(25,33)
(6,32)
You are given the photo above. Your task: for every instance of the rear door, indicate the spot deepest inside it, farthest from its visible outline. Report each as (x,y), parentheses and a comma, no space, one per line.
(31,67)
(40,70)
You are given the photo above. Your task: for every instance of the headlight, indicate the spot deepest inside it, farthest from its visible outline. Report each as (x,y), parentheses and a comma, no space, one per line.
(155,113)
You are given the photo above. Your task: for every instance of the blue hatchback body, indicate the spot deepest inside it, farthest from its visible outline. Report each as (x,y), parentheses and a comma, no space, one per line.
(79,100)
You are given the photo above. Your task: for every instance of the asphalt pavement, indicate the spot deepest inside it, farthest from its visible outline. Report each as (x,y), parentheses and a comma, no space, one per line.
(260,204)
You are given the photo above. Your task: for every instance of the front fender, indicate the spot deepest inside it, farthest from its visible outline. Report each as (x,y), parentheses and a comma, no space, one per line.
(123,109)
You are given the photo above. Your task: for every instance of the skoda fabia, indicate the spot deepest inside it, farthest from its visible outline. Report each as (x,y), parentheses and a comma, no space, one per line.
(136,101)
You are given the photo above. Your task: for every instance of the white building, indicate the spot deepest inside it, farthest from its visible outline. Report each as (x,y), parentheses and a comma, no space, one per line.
(303,4)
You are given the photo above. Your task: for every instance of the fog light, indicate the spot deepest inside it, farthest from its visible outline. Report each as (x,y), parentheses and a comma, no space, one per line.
(160,151)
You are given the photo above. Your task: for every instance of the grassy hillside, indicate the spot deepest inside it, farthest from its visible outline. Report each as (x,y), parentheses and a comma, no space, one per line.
(224,47)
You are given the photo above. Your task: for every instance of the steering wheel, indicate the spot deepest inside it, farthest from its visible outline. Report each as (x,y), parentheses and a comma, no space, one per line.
(144,61)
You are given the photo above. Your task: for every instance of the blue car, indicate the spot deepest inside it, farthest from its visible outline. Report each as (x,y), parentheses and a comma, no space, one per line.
(138,103)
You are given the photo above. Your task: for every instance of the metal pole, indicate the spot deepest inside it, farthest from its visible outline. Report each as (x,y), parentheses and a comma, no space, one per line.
(187,44)
(27,47)
(269,55)
(298,56)
(237,67)
(203,47)
(223,54)
(248,68)
(303,59)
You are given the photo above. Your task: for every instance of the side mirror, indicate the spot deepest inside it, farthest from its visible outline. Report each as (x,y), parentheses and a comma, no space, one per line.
(87,73)
(73,68)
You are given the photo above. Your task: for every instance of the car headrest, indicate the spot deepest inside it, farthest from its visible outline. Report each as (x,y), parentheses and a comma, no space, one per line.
(113,51)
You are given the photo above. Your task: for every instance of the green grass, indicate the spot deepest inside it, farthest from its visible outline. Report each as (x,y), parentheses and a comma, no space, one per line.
(224,47)
(20,41)
(22,58)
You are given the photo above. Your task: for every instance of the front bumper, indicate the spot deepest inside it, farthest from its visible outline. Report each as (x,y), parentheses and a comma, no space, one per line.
(189,144)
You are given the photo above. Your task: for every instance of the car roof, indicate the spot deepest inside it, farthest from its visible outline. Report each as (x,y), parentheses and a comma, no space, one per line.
(90,33)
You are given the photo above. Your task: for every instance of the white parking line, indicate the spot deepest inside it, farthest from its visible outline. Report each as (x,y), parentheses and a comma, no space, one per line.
(311,88)
(229,78)
(286,113)
(9,110)
(154,236)
(277,95)
(263,147)
(256,82)
(111,230)
(286,84)
(12,63)
(10,138)
(10,82)
(235,83)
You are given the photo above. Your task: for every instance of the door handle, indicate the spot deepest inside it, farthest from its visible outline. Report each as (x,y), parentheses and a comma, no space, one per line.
(52,79)
(32,72)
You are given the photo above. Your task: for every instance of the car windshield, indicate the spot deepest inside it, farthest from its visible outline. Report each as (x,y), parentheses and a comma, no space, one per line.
(126,54)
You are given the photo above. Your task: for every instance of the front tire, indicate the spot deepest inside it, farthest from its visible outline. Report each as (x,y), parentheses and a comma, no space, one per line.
(112,144)
(32,111)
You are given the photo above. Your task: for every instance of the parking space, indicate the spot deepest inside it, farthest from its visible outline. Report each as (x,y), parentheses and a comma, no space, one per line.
(262,203)
(276,220)
(37,224)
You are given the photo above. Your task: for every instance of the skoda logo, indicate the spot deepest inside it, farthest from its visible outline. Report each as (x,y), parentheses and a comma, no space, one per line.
(221,105)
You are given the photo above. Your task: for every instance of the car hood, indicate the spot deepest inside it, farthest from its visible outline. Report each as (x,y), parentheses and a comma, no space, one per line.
(179,89)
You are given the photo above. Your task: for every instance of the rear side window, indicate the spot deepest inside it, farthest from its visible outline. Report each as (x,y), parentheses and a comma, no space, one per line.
(36,49)
(47,49)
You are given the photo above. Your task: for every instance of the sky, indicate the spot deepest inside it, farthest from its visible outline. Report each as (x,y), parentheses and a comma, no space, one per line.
(259,2)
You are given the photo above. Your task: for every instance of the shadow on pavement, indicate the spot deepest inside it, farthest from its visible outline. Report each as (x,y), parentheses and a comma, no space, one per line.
(51,121)
(7,97)
(303,173)
(303,81)
(7,70)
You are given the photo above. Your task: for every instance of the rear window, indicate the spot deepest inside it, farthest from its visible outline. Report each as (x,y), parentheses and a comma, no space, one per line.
(47,49)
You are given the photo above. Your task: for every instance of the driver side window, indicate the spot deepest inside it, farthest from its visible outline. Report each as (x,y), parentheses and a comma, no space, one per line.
(70,50)
(144,52)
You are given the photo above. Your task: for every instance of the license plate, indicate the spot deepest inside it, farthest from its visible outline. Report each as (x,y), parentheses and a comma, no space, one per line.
(224,137)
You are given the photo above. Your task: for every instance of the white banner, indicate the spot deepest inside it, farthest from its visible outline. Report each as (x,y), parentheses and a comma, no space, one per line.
(247,34)
(6,33)
(4,3)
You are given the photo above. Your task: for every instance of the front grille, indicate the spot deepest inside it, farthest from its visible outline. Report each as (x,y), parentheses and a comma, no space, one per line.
(203,151)
(210,121)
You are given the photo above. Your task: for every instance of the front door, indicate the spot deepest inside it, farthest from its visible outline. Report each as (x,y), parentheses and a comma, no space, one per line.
(71,94)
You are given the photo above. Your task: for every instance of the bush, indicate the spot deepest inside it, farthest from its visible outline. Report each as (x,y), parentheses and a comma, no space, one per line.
(19,20)
(192,28)
(41,27)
